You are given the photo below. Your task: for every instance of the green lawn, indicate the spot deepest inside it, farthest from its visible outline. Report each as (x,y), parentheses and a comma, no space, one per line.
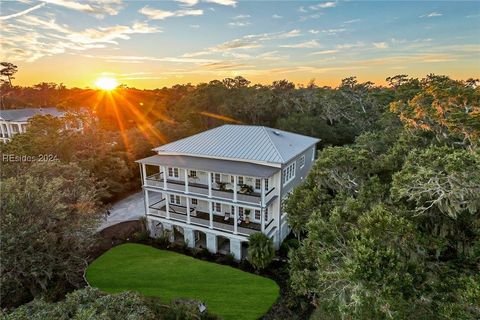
(228,292)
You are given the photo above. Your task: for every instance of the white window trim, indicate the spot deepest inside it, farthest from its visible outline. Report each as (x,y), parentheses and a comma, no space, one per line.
(302,161)
(289,173)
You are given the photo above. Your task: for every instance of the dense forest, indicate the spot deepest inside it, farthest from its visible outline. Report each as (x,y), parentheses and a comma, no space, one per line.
(387,225)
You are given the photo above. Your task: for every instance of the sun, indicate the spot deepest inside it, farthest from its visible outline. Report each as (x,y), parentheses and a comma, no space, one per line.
(106,83)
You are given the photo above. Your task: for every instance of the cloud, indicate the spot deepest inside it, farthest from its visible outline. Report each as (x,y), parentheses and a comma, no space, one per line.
(194,26)
(324,52)
(98,7)
(156,14)
(239,23)
(352,21)
(249,41)
(324,5)
(188,2)
(350,45)
(21,13)
(381,45)
(276,16)
(307,44)
(431,15)
(328,31)
(33,37)
(231,3)
(241,16)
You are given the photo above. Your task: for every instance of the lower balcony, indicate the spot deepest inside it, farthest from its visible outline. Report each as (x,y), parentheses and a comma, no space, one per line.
(223,223)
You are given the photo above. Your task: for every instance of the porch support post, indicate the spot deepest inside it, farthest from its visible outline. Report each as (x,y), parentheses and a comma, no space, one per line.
(9,130)
(236,248)
(235,182)
(263,192)
(144,174)
(164,168)
(187,200)
(186,180)
(210,210)
(3,132)
(167,205)
(209,184)
(235,218)
(262,219)
(147,202)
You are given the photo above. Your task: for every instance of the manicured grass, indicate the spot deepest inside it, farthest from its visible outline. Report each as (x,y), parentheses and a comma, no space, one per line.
(228,292)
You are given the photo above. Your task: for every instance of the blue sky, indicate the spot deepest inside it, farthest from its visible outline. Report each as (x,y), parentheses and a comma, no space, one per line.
(159,43)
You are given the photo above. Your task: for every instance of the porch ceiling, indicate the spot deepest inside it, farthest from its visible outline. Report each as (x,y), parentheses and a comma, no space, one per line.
(211,165)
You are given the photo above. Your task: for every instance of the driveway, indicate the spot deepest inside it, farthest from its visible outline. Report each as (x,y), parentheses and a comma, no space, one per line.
(130,208)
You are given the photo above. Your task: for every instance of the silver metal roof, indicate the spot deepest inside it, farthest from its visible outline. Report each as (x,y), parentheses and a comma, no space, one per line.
(212,165)
(22,115)
(242,142)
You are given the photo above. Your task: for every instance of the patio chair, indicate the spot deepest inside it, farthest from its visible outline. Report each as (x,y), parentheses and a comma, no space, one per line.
(226,217)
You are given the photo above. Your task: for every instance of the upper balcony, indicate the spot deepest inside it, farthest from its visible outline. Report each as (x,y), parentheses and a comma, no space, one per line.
(231,181)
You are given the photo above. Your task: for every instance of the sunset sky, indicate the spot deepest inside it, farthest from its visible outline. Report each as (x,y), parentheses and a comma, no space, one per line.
(160,43)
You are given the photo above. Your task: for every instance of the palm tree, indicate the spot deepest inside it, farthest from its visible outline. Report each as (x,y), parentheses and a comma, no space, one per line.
(260,250)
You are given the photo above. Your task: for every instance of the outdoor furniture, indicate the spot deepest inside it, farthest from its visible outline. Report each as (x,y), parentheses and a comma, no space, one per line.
(226,217)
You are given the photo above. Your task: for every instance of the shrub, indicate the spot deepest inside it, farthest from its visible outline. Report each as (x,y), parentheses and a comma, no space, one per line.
(260,251)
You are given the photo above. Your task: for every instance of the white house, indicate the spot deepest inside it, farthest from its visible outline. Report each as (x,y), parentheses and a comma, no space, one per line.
(15,121)
(216,188)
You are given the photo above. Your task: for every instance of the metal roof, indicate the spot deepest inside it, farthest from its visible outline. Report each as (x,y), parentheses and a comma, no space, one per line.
(212,165)
(22,115)
(242,142)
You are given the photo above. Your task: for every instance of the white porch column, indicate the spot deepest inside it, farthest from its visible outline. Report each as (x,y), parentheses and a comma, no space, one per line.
(262,219)
(146,201)
(9,130)
(3,131)
(235,182)
(212,242)
(167,227)
(164,177)
(210,210)
(236,248)
(144,174)
(186,180)
(167,205)
(235,218)
(189,237)
(187,200)
(263,192)
(209,184)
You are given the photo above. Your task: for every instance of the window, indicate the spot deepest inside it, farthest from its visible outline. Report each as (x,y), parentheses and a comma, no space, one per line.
(173,172)
(302,161)
(289,173)
(216,177)
(174,199)
(257,214)
(266,184)
(258,184)
(194,201)
(193,174)
(240,210)
(217,206)
(240,180)
(232,179)
(266,215)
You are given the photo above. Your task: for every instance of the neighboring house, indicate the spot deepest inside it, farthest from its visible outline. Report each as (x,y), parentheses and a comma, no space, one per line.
(216,188)
(15,121)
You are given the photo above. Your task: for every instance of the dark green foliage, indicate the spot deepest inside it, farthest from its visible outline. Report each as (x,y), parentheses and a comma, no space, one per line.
(260,250)
(390,225)
(92,304)
(49,215)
